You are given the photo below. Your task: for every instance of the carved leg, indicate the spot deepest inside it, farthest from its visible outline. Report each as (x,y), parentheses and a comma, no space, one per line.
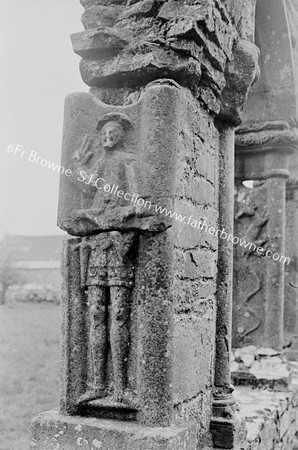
(119,337)
(97,300)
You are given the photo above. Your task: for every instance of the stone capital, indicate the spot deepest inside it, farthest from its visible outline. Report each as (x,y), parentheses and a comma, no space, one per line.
(263,150)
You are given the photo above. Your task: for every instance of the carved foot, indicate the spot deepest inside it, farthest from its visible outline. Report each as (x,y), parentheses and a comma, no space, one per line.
(92,395)
(127,397)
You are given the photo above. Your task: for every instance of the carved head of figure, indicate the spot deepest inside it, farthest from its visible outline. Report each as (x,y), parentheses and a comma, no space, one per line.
(112,127)
(111,134)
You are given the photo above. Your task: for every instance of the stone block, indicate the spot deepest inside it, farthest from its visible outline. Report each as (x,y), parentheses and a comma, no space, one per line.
(193,227)
(201,192)
(193,347)
(120,188)
(206,167)
(99,16)
(52,430)
(200,264)
(228,434)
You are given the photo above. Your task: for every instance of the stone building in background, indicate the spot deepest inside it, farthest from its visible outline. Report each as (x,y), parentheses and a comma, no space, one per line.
(30,266)
(151,295)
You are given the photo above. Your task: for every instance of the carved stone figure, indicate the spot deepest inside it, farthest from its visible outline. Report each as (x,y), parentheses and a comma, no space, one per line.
(117,270)
(107,276)
(106,258)
(100,164)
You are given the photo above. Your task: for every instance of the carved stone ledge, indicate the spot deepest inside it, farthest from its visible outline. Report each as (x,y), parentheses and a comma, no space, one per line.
(267,140)
(262,126)
(263,151)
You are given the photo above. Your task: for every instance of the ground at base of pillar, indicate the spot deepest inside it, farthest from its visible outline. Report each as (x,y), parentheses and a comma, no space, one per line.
(51,431)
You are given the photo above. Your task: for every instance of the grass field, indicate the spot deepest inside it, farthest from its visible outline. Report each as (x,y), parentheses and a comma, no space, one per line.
(29,364)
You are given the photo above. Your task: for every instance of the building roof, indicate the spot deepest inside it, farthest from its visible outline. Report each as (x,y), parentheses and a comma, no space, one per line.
(33,248)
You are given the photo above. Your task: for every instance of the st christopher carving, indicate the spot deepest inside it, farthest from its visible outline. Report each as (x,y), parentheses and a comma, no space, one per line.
(107,263)
(100,166)
(117,172)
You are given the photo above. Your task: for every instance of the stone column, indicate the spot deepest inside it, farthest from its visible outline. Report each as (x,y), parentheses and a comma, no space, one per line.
(146,154)
(262,155)
(224,405)
(240,75)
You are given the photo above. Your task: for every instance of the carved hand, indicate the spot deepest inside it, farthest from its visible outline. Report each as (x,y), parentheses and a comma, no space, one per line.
(83,154)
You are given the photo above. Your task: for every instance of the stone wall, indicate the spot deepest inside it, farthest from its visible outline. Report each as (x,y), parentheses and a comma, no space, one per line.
(270,417)
(195,266)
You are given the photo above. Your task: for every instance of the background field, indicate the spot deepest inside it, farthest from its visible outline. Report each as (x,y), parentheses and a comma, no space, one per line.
(29,365)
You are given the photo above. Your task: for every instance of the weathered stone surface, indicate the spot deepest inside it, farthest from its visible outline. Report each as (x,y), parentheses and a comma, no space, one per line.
(264,150)
(272,98)
(96,315)
(53,430)
(223,424)
(194,295)
(201,192)
(146,8)
(90,3)
(258,280)
(147,395)
(260,368)
(100,16)
(193,347)
(155,328)
(291,270)
(262,153)
(97,196)
(270,418)
(189,43)
(228,434)
(148,290)
(243,13)
(86,43)
(292,17)
(240,74)
(199,263)
(151,398)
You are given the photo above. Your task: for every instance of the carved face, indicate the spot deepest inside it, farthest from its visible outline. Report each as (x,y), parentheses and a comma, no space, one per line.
(111,134)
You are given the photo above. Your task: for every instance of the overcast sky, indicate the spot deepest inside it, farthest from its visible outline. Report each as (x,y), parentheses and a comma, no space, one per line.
(38,69)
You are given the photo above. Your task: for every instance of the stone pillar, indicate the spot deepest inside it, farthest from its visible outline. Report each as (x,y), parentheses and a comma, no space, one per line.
(262,155)
(291,272)
(240,75)
(263,146)
(224,405)
(145,155)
